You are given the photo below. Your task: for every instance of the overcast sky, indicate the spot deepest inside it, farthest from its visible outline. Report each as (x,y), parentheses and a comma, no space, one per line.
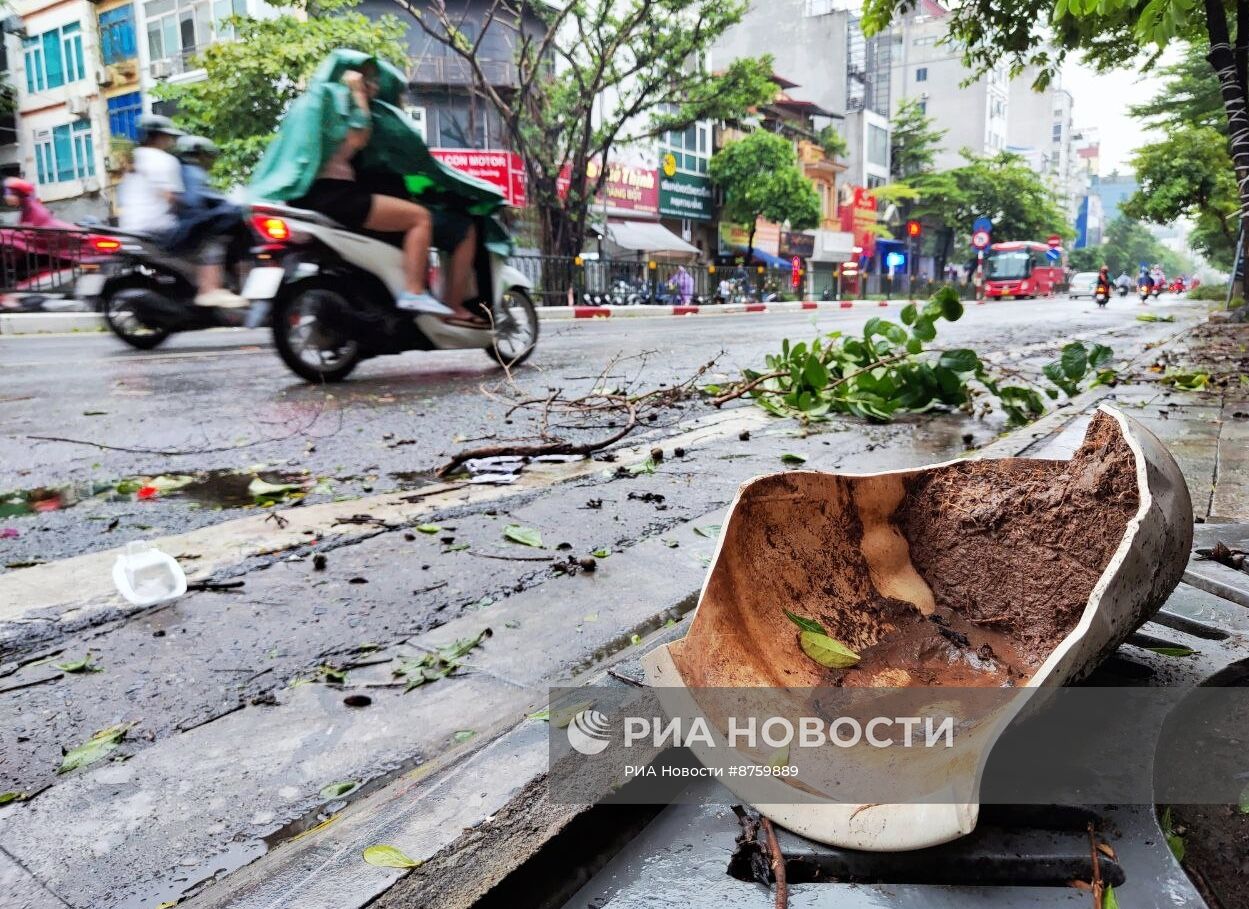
(1101,100)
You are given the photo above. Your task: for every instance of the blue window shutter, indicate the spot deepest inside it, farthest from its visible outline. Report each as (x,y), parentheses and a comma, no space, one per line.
(52,58)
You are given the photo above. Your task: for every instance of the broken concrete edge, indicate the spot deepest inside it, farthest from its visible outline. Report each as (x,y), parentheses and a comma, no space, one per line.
(41,604)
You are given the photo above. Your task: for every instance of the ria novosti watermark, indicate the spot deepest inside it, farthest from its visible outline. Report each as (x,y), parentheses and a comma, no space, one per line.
(1016,746)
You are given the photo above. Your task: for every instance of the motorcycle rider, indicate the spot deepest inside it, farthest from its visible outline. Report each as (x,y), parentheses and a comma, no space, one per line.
(1123,283)
(150,195)
(1103,282)
(346,151)
(204,215)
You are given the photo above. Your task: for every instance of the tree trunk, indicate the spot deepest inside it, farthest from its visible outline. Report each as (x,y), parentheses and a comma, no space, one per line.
(1223,59)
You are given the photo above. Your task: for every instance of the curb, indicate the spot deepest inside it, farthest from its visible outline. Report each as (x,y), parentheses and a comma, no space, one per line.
(44,323)
(568,313)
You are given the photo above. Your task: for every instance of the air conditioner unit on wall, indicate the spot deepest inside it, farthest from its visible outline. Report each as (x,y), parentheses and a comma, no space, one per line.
(77,106)
(162,69)
(103,76)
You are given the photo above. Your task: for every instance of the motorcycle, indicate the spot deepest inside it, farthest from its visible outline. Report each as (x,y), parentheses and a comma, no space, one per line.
(333,295)
(146,294)
(1101,295)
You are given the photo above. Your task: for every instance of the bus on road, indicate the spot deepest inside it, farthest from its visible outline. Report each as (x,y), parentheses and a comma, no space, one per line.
(1021,269)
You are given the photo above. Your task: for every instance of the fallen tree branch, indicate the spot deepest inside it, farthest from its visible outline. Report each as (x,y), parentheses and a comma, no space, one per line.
(777,860)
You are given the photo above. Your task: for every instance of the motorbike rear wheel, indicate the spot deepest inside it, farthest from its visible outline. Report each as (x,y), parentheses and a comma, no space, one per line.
(516,328)
(308,347)
(118,308)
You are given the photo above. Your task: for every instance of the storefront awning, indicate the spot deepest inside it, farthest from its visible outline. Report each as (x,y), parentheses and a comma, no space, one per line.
(762,257)
(647,236)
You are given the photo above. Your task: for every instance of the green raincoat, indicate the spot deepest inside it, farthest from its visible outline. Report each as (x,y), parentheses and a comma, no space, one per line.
(317,124)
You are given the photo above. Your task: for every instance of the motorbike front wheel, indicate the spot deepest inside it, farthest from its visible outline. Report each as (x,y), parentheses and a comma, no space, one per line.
(515,328)
(310,348)
(120,310)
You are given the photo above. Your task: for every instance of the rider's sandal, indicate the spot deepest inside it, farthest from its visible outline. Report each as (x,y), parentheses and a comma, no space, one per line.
(477,322)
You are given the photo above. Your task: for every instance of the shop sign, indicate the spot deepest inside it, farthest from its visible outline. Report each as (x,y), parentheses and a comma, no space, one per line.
(503,169)
(797,243)
(627,186)
(859,218)
(683,195)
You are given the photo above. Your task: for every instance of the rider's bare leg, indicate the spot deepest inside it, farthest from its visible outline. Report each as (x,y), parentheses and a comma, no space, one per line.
(461,268)
(390,215)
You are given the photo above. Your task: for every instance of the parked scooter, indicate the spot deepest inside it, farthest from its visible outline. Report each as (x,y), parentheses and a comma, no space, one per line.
(333,293)
(145,294)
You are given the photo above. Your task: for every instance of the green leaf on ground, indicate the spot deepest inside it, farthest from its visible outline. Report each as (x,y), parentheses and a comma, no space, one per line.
(334,790)
(388,857)
(260,489)
(711,531)
(635,639)
(430,667)
(826,651)
(526,536)
(779,757)
(6,797)
(170,483)
(601,553)
(544,715)
(83,665)
(805,624)
(1109,901)
(1188,381)
(1173,651)
(463,735)
(94,748)
(1153,317)
(1242,804)
(647,466)
(458,547)
(428,528)
(790,457)
(1174,840)
(564,714)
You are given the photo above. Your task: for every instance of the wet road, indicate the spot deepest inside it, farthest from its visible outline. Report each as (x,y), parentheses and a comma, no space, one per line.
(236,698)
(220,407)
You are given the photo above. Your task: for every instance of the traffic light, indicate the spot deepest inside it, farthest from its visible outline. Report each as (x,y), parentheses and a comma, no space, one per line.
(914,228)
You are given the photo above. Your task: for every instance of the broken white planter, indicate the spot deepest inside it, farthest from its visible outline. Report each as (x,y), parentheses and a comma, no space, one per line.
(739,637)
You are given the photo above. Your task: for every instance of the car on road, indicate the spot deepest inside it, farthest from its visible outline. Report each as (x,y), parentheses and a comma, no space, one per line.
(1082,284)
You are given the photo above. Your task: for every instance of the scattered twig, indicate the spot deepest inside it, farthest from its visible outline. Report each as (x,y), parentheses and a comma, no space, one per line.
(366,520)
(217,586)
(747,387)
(511,558)
(621,677)
(278,519)
(778,865)
(437,586)
(31,683)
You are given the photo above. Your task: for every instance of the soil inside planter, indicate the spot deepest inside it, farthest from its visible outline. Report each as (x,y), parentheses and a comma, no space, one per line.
(1011,551)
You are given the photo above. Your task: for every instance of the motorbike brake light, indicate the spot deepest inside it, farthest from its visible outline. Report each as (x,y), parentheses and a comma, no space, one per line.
(271,228)
(103,244)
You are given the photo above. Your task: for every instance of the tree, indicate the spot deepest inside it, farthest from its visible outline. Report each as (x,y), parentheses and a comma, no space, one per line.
(596,75)
(250,81)
(834,143)
(1107,33)
(914,143)
(1001,187)
(1188,172)
(1189,175)
(760,178)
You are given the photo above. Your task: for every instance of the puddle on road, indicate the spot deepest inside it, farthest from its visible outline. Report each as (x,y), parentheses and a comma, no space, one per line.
(206,489)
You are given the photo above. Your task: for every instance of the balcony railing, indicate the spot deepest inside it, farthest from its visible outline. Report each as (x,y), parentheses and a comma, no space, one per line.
(457,71)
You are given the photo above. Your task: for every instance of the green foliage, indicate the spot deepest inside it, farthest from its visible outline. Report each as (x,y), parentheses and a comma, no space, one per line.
(250,82)
(1213,292)
(1189,96)
(914,143)
(598,74)
(1001,187)
(890,370)
(1188,174)
(834,143)
(760,178)
(1127,244)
